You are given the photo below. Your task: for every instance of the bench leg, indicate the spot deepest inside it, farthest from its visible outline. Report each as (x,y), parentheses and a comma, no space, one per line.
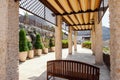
(50,77)
(47,77)
(53,78)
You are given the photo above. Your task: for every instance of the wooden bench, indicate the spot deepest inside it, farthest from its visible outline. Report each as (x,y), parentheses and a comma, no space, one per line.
(72,70)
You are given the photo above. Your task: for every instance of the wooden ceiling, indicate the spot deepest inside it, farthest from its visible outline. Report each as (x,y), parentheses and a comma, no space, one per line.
(77,13)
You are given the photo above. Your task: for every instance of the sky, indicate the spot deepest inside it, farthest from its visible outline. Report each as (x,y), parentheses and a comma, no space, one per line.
(105,19)
(21,11)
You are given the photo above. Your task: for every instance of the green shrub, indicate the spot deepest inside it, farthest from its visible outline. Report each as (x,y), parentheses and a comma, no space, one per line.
(22,41)
(38,44)
(65,43)
(86,44)
(29,45)
(106,50)
(51,43)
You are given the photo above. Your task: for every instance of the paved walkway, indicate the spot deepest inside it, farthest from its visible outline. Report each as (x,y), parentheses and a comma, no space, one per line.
(35,69)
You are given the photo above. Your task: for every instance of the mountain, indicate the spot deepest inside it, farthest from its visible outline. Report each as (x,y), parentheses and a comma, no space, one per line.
(32,17)
(106,33)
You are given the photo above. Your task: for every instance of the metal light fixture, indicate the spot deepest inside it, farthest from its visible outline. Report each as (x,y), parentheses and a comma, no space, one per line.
(17,0)
(53,14)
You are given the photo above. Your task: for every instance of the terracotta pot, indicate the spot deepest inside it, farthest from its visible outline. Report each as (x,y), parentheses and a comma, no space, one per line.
(45,50)
(23,56)
(30,54)
(38,52)
(53,49)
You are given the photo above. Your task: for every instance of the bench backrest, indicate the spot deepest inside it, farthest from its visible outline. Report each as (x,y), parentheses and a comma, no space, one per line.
(72,69)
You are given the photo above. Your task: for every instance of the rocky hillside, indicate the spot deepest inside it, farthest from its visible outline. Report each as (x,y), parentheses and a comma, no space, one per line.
(106,33)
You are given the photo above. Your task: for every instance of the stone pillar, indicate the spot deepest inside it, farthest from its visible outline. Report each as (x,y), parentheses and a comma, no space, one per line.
(9,48)
(75,40)
(93,39)
(58,38)
(114,8)
(70,40)
(98,41)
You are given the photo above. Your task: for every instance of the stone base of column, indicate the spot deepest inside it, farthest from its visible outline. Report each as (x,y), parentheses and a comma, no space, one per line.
(99,63)
(70,53)
(93,53)
(75,49)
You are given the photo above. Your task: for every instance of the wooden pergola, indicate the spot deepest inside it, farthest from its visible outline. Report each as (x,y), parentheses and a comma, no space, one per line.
(79,14)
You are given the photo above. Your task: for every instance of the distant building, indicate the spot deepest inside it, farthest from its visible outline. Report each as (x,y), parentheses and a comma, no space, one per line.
(84,35)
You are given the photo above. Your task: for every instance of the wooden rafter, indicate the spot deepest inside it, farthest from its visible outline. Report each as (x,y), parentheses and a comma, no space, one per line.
(73,10)
(45,2)
(82,24)
(80,12)
(81,29)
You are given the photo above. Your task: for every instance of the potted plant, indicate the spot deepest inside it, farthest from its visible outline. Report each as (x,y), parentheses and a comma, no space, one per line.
(38,45)
(30,52)
(46,45)
(23,48)
(51,45)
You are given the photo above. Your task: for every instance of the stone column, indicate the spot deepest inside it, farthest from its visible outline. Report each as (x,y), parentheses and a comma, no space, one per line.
(93,39)
(58,38)
(75,40)
(9,48)
(70,40)
(98,41)
(114,8)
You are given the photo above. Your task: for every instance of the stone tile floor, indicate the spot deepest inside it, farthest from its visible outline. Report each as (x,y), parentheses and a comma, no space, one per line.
(35,69)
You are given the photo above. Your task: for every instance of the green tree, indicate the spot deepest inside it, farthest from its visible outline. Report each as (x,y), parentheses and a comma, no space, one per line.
(29,45)
(22,41)
(38,44)
(26,17)
(51,44)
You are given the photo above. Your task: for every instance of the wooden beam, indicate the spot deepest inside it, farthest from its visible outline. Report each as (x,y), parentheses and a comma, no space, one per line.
(70,18)
(60,5)
(105,9)
(81,29)
(47,4)
(88,11)
(73,10)
(80,12)
(82,24)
